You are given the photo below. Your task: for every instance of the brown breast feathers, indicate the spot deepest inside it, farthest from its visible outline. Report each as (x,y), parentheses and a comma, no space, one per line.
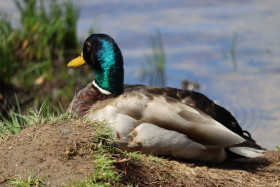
(85,99)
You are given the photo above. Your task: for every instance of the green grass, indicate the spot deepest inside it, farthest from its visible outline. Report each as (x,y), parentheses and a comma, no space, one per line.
(105,173)
(17,121)
(7,48)
(35,50)
(139,157)
(156,159)
(29,182)
(233,51)
(135,155)
(154,69)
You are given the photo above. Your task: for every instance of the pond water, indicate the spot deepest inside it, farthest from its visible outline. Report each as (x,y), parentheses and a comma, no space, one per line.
(198,36)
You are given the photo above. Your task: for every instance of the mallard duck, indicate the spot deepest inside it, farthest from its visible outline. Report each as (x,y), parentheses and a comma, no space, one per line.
(162,121)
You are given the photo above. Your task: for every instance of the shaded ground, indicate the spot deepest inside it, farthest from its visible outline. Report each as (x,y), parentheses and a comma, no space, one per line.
(63,151)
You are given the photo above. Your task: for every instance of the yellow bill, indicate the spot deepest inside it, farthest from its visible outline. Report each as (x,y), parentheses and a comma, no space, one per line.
(77,61)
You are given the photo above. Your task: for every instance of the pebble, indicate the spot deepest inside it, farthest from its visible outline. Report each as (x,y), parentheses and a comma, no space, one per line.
(65,131)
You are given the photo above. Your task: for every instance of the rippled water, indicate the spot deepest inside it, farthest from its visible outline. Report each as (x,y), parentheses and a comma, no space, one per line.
(197,38)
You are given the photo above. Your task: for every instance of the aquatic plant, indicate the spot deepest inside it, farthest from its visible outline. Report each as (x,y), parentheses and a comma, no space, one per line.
(233,51)
(153,69)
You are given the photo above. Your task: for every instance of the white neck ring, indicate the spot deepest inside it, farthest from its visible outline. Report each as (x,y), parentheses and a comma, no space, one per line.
(105,92)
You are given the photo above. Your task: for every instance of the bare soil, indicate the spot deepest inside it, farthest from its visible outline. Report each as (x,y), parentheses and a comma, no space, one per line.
(62,151)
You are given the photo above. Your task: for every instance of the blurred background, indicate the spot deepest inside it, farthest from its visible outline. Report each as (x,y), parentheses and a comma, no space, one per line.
(227,50)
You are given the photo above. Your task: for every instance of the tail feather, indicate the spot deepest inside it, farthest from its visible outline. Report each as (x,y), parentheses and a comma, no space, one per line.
(247,151)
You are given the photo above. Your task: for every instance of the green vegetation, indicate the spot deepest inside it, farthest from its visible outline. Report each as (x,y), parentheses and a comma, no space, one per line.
(156,159)
(135,155)
(154,69)
(34,53)
(32,50)
(30,181)
(233,51)
(18,121)
(105,173)
(278,147)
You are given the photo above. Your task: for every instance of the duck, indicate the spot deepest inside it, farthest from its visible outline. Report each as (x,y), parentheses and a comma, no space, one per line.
(163,121)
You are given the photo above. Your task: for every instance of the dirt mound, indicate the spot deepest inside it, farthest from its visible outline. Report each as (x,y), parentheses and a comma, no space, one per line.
(63,151)
(58,152)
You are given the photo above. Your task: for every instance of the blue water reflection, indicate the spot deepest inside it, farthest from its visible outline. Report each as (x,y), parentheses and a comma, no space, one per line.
(197,37)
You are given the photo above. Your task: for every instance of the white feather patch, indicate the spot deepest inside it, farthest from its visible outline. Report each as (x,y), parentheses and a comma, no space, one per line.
(161,141)
(105,92)
(247,151)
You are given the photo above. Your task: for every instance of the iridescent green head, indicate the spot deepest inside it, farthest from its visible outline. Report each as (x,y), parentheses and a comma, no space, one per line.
(102,53)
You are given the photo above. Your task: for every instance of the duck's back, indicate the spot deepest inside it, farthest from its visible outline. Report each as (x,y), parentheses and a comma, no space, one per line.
(193,99)
(165,121)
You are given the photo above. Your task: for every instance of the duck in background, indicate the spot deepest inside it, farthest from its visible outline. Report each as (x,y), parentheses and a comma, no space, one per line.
(162,121)
(189,85)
